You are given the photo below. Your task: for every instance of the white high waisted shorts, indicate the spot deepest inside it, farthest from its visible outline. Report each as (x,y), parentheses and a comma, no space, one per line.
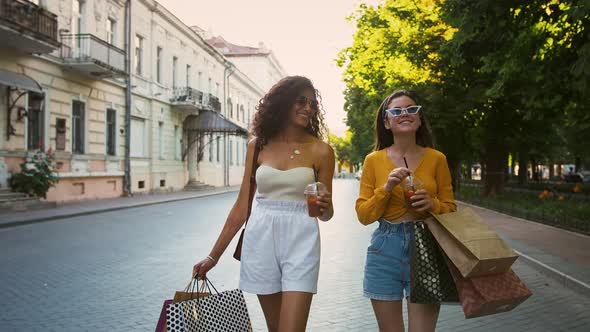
(281,249)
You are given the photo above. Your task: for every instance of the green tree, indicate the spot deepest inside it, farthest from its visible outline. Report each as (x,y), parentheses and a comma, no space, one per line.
(397,46)
(345,152)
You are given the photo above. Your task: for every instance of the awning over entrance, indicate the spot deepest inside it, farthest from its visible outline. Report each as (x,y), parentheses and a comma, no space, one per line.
(213,122)
(19,81)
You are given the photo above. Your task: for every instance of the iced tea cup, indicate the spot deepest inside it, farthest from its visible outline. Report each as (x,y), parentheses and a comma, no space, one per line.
(410,185)
(312,191)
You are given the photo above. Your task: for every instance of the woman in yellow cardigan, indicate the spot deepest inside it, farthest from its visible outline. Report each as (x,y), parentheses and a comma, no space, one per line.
(403,148)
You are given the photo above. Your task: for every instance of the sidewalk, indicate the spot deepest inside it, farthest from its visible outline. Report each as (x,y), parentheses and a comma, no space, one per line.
(74,209)
(557,253)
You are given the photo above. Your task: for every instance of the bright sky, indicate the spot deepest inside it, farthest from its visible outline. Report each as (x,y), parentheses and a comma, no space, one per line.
(305,35)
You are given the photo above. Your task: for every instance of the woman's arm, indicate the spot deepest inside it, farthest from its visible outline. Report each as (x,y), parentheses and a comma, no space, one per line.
(444,202)
(326,164)
(372,202)
(234,221)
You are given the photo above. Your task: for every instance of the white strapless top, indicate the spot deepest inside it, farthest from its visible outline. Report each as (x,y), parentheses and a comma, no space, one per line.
(285,185)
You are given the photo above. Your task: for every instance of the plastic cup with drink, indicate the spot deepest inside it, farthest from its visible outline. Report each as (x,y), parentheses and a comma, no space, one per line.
(410,185)
(312,191)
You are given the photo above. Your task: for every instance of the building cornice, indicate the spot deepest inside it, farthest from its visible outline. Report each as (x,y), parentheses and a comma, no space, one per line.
(165,14)
(248,82)
(271,58)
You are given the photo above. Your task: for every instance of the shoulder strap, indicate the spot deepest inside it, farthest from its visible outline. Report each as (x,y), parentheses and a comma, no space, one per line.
(315,173)
(253,177)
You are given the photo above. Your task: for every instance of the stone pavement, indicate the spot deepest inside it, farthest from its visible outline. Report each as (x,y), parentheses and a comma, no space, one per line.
(110,271)
(73,209)
(559,253)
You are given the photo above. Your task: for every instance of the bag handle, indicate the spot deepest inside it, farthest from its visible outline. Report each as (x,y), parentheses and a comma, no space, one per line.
(206,284)
(253,178)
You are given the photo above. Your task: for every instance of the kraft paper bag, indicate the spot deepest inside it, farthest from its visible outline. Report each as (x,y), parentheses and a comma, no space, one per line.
(473,247)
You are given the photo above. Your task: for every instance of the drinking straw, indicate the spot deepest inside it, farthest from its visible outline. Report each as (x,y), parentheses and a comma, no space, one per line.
(410,176)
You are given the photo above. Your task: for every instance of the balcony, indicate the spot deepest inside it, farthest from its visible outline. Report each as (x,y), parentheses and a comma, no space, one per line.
(215,103)
(28,28)
(187,99)
(92,56)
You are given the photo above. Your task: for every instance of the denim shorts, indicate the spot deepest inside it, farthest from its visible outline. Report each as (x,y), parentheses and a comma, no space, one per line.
(387,268)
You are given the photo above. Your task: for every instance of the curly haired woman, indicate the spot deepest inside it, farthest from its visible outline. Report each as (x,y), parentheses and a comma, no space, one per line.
(281,249)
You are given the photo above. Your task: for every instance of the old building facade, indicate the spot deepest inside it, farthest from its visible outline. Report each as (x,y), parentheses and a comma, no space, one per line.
(70,82)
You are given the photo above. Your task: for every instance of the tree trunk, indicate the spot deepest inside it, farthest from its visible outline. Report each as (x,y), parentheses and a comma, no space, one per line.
(523,161)
(551,171)
(534,170)
(577,163)
(455,168)
(496,159)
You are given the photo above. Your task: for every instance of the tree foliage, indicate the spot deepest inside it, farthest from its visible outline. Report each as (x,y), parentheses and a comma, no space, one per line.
(497,78)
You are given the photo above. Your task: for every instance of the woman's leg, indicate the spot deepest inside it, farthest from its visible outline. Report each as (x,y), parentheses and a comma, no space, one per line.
(294,311)
(422,317)
(271,307)
(389,315)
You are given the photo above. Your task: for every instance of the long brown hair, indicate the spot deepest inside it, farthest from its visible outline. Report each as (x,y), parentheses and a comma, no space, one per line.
(273,109)
(384,137)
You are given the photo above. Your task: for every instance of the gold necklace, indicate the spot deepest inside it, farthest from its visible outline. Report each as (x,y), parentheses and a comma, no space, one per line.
(294,152)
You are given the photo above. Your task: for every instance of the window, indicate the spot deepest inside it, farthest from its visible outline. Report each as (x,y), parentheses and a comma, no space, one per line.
(137,137)
(199,82)
(229,106)
(216,89)
(238,152)
(217,145)
(231,152)
(77,11)
(161,139)
(209,86)
(35,121)
(78,127)
(138,54)
(237,112)
(159,65)
(177,146)
(248,113)
(210,148)
(111,131)
(174,71)
(111,31)
(188,75)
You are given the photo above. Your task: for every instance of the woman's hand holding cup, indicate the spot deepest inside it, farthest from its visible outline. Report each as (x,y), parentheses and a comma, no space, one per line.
(319,199)
(421,201)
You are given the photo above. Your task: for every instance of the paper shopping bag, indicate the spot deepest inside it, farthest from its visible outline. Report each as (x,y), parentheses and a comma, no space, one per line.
(488,295)
(473,247)
(430,280)
(217,312)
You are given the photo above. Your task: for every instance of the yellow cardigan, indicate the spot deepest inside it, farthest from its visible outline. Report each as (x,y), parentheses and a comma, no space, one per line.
(374,202)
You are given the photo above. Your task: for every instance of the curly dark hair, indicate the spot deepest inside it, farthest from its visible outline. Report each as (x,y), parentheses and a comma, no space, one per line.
(384,137)
(273,109)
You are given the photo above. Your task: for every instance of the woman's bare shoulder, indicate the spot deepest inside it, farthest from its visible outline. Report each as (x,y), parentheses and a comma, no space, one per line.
(322,148)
